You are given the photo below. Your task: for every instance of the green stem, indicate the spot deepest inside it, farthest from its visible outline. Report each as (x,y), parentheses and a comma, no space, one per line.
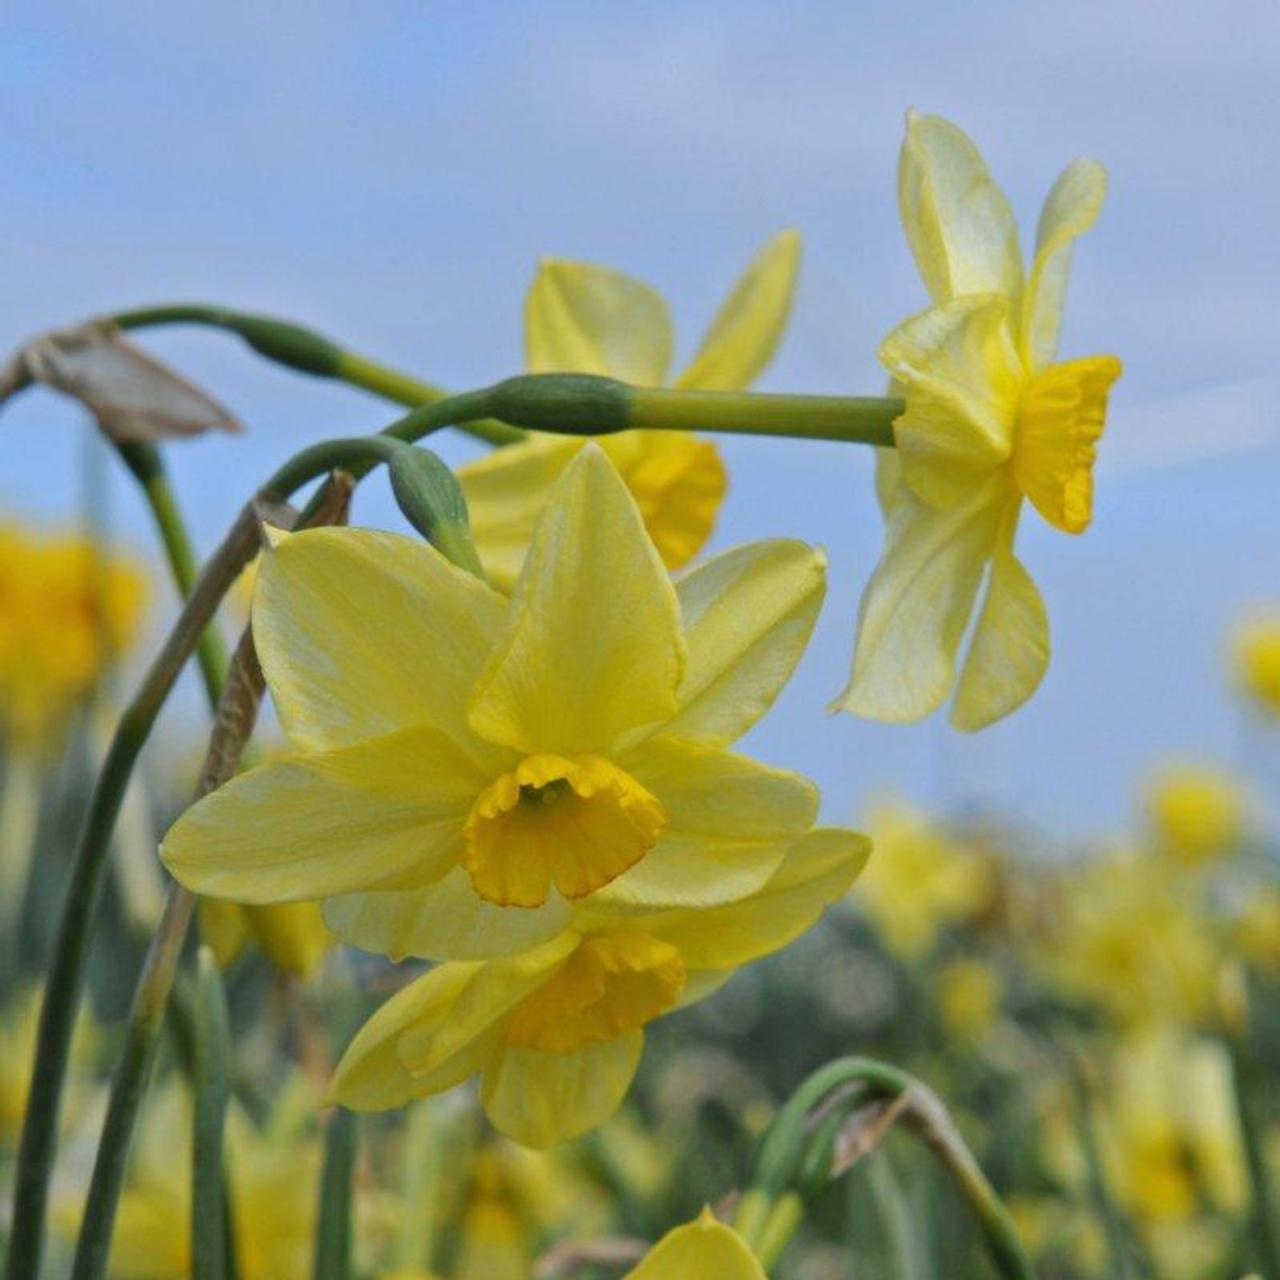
(212,1090)
(129,1085)
(333,1224)
(145,462)
(1246,1078)
(782,1153)
(307,351)
(66,972)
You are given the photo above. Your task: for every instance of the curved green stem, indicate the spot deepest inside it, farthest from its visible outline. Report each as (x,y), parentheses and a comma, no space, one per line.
(310,352)
(212,1092)
(145,462)
(333,1221)
(782,1155)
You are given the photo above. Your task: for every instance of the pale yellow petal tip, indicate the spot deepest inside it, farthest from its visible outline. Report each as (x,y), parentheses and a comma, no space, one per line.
(707,1219)
(273,536)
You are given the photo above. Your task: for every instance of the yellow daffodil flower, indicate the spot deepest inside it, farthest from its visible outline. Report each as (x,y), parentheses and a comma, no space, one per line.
(1132,942)
(1256,649)
(699,1250)
(920,881)
(1198,813)
(292,935)
(467,766)
(990,419)
(582,318)
(556,1032)
(67,611)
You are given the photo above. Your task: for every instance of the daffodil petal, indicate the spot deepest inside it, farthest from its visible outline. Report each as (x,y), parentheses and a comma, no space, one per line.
(292,935)
(957,219)
(540,1099)
(748,615)
(1009,652)
(309,826)
(1070,209)
(730,822)
(493,991)
(699,1251)
(593,645)
(917,605)
(745,334)
(583,318)
(818,870)
(956,365)
(363,633)
(444,921)
(370,1076)
(505,492)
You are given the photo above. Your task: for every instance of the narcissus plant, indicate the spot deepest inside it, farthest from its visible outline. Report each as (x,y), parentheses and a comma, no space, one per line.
(466,767)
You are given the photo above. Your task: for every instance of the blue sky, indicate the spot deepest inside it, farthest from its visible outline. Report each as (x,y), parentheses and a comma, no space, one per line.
(391,173)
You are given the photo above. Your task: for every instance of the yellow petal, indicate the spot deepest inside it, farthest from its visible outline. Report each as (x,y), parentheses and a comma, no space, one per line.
(699,1250)
(482,1006)
(582,318)
(918,603)
(310,826)
(1009,652)
(730,822)
(539,1099)
(818,870)
(956,366)
(748,614)
(444,921)
(747,329)
(678,482)
(1070,209)
(1063,412)
(957,219)
(292,935)
(363,633)
(224,928)
(593,645)
(370,1076)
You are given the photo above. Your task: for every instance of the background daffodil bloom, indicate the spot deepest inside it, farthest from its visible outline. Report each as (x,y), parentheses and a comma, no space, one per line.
(68,609)
(990,420)
(466,765)
(699,1250)
(583,318)
(292,935)
(556,1032)
(1256,649)
(1198,814)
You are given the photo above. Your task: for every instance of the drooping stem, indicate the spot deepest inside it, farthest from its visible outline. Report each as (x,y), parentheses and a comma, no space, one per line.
(782,1153)
(307,351)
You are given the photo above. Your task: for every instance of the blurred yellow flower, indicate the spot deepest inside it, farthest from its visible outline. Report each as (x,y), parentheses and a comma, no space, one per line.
(1256,928)
(583,318)
(1133,942)
(990,420)
(467,766)
(969,990)
(1197,813)
(68,610)
(700,1250)
(1256,650)
(293,935)
(920,880)
(556,1032)
(273,1181)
